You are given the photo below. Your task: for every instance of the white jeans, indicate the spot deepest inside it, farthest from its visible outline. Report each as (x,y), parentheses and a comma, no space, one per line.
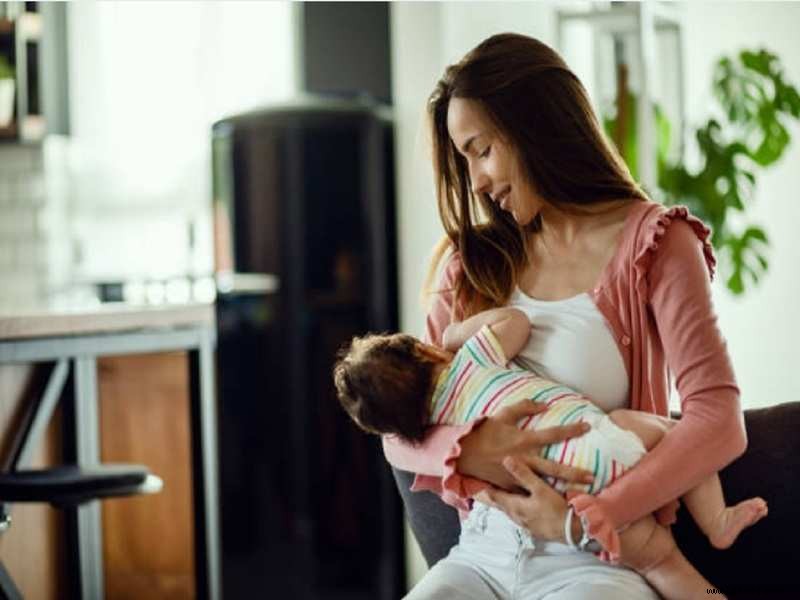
(496,559)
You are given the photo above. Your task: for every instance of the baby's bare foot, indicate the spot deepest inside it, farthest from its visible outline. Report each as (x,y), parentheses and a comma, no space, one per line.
(731,521)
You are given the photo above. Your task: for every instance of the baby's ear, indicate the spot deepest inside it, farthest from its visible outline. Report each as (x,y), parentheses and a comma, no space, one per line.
(432,353)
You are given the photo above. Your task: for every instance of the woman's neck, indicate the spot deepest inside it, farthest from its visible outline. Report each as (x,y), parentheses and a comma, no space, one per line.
(563,224)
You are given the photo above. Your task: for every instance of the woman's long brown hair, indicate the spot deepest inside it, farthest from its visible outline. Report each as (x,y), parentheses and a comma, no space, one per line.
(541,109)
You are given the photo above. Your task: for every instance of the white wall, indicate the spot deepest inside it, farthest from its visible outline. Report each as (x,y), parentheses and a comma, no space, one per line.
(417,62)
(761,328)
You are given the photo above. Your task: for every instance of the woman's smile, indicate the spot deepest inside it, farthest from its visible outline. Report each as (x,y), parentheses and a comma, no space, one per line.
(502,198)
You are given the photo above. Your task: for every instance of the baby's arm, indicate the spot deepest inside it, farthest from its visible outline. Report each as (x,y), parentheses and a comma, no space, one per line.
(509,325)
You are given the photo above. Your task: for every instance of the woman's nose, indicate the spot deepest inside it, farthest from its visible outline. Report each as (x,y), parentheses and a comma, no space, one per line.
(480,182)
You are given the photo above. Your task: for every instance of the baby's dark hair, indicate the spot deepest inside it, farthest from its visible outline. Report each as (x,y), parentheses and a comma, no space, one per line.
(385,384)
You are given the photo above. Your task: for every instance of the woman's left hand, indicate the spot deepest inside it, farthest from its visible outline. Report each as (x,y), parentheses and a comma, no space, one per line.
(538,507)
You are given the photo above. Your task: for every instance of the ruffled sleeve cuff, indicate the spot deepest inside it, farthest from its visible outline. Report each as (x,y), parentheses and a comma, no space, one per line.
(598,524)
(454,488)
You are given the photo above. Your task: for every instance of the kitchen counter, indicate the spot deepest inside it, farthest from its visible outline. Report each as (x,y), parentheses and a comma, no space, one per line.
(74,335)
(53,319)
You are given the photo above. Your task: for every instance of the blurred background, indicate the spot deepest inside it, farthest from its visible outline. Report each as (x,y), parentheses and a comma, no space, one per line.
(273,158)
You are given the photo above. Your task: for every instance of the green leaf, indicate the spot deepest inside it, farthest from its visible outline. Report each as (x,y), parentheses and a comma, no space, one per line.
(6,70)
(775,138)
(746,257)
(757,103)
(760,62)
(787,99)
(735,282)
(663,135)
(754,233)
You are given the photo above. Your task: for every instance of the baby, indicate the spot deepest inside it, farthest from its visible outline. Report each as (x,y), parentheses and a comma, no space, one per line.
(395,384)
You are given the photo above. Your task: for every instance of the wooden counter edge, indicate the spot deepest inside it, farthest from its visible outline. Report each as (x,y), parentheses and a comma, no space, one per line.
(106,318)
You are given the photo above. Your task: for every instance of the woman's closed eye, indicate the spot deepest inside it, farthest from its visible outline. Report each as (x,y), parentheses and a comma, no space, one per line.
(485,153)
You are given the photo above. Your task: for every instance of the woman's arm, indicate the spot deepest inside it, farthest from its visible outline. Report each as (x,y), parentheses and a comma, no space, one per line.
(710,433)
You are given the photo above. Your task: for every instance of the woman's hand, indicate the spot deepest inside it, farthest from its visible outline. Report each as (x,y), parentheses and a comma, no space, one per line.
(483,450)
(540,509)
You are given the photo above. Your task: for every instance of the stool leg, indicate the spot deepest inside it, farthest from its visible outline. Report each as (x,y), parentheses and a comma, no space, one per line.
(86,518)
(8,590)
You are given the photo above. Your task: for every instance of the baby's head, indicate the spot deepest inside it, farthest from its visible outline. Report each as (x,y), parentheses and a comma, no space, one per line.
(385,382)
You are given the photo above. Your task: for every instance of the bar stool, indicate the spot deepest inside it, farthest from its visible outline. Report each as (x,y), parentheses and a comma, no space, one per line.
(66,487)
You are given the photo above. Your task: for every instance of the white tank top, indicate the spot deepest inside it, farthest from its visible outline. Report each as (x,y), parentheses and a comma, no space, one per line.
(571,344)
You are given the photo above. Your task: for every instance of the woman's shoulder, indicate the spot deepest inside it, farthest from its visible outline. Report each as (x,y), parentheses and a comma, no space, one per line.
(657,229)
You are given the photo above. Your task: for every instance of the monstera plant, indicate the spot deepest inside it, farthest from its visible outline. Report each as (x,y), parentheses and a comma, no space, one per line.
(756,104)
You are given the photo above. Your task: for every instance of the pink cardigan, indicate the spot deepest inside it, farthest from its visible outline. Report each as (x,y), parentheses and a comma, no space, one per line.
(655,295)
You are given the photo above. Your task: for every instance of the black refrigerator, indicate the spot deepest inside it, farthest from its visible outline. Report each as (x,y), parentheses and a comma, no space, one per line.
(305,250)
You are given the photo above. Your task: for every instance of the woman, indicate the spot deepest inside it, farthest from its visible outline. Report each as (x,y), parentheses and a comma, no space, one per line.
(540,213)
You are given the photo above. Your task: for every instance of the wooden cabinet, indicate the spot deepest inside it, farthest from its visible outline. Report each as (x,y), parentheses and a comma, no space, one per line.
(144,418)
(148,540)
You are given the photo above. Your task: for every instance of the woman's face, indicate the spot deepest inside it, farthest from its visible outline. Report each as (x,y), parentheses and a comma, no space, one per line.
(494,168)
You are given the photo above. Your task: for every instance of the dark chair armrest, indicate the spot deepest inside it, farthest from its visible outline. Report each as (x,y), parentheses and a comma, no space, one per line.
(762,561)
(434,523)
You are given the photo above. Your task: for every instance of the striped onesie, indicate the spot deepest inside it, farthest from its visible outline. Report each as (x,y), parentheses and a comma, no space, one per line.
(480,381)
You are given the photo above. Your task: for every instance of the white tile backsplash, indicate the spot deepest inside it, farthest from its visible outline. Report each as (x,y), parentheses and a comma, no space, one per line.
(125,244)
(23,247)
(8,251)
(18,223)
(53,235)
(5,193)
